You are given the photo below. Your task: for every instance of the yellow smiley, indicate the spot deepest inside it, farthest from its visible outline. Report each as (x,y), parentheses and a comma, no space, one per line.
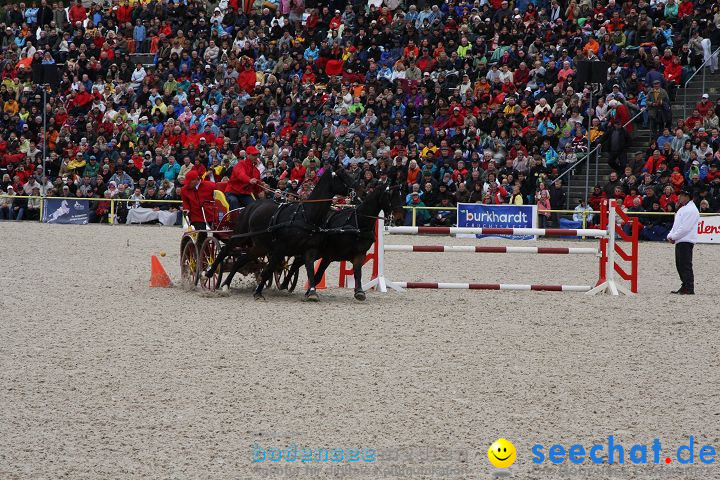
(502,453)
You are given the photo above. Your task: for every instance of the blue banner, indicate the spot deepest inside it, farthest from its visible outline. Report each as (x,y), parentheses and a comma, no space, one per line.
(478,215)
(66,211)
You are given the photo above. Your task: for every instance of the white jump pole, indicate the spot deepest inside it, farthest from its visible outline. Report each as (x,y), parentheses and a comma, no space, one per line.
(380,281)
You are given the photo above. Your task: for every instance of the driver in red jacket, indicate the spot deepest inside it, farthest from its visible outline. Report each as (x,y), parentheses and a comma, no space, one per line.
(194,194)
(244,185)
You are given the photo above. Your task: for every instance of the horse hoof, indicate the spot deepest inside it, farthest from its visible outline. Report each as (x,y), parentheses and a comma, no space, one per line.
(258,296)
(312,297)
(360,295)
(224,288)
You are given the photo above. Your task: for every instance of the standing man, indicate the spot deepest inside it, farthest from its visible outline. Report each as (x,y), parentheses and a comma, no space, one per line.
(658,103)
(617,140)
(244,184)
(684,236)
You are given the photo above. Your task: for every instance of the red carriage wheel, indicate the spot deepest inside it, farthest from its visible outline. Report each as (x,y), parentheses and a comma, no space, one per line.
(208,255)
(283,274)
(189,264)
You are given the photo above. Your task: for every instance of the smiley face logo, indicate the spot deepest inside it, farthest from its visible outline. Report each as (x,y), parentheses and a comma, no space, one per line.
(502,453)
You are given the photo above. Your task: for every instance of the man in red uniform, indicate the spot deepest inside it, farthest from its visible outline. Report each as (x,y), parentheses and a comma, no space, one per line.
(244,184)
(195,193)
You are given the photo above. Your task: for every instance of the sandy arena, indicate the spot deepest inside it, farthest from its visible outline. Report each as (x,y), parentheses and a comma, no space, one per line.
(103,377)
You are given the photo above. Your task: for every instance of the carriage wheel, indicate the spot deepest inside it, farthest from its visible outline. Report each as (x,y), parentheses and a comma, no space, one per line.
(208,255)
(189,264)
(282,273)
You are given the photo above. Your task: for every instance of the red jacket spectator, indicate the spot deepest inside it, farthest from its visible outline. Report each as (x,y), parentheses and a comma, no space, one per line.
(333,67)
(9,158)
(685,8)
(82,99)
(191,138)
(677,179)
(521,76)
(77,13)
(665,199)
(693,121)
(667,60)
(411,51)
(123,13)
(629,199)
(653,162)
(615,24)
(246,79)
(596,198)
(623,115)
(426,63)
(208,136)
(336,21)
(298,173)
(673,73)
(309,76)
(704,106)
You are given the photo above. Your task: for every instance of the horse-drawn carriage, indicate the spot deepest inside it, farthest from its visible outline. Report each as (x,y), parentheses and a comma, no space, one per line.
(199,250)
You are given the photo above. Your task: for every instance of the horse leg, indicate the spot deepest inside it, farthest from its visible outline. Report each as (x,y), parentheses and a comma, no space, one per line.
(296,264)
(357,263)
(272,264)
(310,256)
(237,265)
(224,251)
(324,264)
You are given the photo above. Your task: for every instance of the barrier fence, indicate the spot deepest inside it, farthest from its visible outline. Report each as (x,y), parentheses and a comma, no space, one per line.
(607,254)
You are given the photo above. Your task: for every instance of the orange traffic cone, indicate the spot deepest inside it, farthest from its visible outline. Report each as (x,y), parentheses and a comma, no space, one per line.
(321,283)
(158,275)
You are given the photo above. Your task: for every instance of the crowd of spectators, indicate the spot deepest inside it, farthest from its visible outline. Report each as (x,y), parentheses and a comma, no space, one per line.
(456,101)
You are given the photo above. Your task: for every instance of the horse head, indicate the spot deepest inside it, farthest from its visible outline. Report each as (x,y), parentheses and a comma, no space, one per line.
(342,183)
(381,198)
(392,195)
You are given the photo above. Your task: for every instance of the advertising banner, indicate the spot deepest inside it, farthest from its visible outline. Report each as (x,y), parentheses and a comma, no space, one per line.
(479,215)
(66,211)
(709,230)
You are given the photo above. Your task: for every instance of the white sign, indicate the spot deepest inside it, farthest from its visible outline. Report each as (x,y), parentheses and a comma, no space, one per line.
(709,229)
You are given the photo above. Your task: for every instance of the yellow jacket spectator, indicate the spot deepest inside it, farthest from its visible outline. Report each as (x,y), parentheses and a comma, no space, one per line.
(11,107)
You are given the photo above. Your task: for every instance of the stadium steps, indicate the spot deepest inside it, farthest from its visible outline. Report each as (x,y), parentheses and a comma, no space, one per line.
(575,186)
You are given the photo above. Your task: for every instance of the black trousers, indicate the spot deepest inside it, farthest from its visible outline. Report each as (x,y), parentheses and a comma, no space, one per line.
(683,263)
(617,161)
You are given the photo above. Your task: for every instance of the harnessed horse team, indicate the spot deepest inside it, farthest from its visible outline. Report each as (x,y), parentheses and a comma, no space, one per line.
(307,230)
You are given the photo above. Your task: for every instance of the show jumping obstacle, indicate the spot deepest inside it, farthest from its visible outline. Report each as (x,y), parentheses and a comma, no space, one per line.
(606,254)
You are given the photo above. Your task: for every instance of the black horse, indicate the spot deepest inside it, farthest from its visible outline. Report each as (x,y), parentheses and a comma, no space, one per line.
(351,233)
(290,229)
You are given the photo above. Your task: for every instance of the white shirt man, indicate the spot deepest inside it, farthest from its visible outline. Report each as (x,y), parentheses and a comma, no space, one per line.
(684,235)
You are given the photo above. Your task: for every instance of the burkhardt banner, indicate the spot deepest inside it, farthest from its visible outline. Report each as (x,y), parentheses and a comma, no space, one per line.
(709,229)
(66,211)
(509,216)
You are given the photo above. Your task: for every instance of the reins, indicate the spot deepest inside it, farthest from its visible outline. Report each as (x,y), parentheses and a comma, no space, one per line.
(298,199)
